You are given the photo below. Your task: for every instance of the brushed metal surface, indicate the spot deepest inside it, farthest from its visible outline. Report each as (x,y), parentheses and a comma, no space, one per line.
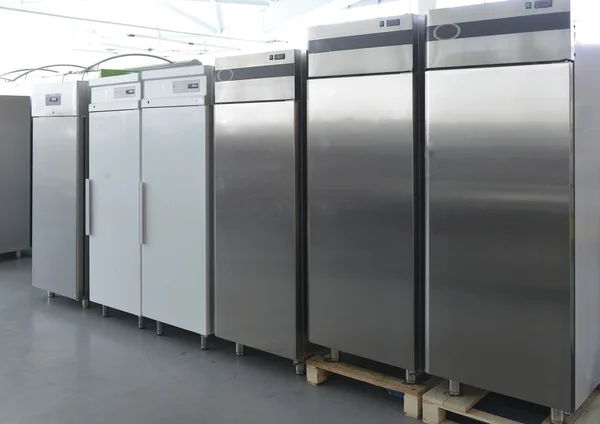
(255,225)
(523,47)
(176,286)
(499,282)
(15,173)
(361,61)
(270,81)
(255,59)
(500,49)
(114,173)
(587,201)
(348,59)
(57,210)
(257,90)
(360,200)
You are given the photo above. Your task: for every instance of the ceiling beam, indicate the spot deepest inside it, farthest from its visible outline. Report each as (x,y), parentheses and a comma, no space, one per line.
(202,24)
(286,11)
(128,25)
(263,3)
(219,14)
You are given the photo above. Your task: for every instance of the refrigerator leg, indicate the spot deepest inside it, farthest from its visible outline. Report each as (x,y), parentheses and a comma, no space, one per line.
(203,343)
(335,355)
(105,311)
(18,254)
(159,328)
(141,322)
(300,367)
(85,303)
(454,388)
(239,349)
(51,294)
(557,417)
(411,377)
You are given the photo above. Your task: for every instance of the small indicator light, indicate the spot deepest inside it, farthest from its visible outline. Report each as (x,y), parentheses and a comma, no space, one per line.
(271,57)
(528,5)
(381,24)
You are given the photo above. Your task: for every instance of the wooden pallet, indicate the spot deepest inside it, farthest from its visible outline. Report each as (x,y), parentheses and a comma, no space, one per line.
(319,368)
(437,403)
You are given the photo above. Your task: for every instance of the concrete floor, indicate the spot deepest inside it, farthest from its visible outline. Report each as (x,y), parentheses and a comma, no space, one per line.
(60,364)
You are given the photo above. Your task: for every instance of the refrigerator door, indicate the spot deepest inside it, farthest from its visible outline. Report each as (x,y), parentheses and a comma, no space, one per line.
(256,286)
(15,173)
(360,194)
(58,207)
(114,215)
(175,227)
(499,142)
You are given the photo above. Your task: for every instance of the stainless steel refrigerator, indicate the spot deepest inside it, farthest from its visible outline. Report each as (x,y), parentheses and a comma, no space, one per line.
(113,194)
(514,199)
(365,167)
(175,198)
(15,174)
(259,219)
(59,170)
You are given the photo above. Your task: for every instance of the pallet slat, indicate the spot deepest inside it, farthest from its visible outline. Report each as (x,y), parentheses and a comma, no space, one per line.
(319,368)
(437,402)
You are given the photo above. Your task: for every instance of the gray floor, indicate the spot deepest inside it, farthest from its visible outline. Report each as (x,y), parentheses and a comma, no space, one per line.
(61,364)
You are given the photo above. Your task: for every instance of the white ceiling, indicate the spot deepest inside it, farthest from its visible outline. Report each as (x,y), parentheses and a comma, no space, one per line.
(34,33)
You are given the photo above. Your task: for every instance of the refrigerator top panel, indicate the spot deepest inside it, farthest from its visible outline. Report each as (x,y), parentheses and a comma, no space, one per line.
(508,32)
(69,98)
(183,86)
(123,92)
(372,46)
(259,77)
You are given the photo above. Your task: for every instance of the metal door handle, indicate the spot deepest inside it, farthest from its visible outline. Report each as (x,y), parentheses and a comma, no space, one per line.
(88,204)
(142,214)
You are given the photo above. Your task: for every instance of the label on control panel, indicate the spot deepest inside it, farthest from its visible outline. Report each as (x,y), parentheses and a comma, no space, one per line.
(53,99)
(124,92)
(186,86)
(389,23)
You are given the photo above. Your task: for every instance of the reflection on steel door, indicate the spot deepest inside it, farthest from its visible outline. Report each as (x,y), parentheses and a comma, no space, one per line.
(499,280)
(360,197)
(175,269)
(255,227)
(114,180)
(57,214)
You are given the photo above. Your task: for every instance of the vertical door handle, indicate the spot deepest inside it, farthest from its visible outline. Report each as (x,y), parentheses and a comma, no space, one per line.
(142,213)
(88,207)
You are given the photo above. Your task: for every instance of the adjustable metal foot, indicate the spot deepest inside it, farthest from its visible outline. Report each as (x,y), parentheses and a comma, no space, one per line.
(300,368)
(203,343)
(557,417)
(411,377)
(85,303)
(335,355)
(18,254)
(141,322)
(51,295)
(239,349)
(159,328)
(454,388)
(105,311)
